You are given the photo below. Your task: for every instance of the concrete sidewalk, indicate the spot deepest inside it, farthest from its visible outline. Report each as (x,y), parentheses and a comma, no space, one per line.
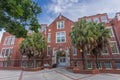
(54,74)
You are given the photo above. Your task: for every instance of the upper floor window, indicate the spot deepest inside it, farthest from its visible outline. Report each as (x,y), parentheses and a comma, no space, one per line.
(114,47)
(9,40)
(49,37)
(88,20)
(103,19)
(60,37)
(96,20)
(111,31)
(74,51)
(60,25)
(105,51)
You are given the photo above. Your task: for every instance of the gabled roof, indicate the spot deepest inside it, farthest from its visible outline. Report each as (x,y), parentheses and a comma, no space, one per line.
(62,16)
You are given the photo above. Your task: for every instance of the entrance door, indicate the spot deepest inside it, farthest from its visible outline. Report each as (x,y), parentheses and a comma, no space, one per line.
(62,61)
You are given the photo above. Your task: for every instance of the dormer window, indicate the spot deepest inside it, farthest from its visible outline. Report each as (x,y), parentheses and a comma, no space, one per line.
(60,25)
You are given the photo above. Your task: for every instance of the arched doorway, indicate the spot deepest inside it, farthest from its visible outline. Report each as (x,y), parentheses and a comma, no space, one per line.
(61,58)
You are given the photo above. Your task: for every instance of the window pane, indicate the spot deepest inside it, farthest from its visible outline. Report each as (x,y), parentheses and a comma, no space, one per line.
(88,19)
(10,51)
(103,18)
(48,52)
(74,50)
(117,65)
(13,40)
(99,65)
(3,52)
(89,64)
(96,20)
(60,36)
(7,52)
(113,46)
(107,65)
(49,37)
(60,25)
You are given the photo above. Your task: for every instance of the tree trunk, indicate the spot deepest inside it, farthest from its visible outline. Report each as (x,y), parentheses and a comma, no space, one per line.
(84,61)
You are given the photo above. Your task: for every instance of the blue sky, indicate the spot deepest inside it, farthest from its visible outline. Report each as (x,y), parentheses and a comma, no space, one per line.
(74,9)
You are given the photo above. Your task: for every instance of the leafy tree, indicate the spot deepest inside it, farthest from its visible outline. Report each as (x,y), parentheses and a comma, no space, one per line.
(16,15)
(102,40)
(33,46)
(82,38)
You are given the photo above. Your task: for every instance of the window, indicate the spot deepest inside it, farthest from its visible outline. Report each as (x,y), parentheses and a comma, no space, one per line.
(74,51)
(88,20)
(104,19)
(60,25)
(117,65)
(99,65)
(96,20)
(3,52)
(111,31)
(13,39)
(49,37)
(48,50)
(7,52)
(60,37)
(107,65)
(9,40)
(105,51)
(10,51)
(89,64)
(5,42)
(114,47)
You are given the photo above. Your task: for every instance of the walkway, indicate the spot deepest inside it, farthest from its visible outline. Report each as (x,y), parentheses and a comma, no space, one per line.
(54,74)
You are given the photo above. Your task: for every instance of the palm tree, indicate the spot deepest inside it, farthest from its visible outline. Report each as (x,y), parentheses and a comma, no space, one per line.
(33,46)
(103,36)
(82,38)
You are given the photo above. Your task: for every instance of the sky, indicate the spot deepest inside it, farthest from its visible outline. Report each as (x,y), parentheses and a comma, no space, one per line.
(74,9)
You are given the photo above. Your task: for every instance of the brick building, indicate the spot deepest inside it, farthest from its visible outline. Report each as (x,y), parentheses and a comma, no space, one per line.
(59,48)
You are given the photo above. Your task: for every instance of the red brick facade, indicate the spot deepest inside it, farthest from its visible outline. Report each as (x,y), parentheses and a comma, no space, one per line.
(59,47)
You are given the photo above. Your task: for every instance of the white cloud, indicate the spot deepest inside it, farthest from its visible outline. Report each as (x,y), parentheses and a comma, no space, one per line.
(74,9)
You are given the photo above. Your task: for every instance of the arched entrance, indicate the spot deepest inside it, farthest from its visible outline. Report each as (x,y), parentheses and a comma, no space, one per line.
(61,58)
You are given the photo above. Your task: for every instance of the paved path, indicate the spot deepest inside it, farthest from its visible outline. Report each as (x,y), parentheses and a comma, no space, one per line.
(54,74)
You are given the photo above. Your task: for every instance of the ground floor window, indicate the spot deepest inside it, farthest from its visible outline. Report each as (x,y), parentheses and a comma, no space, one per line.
(89,65)
(98,65)
(117,65)
(108,65)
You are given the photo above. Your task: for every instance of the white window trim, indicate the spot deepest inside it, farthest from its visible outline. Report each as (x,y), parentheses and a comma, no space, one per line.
(63,25)
(106,54)
(88,53)
(6,38)
(108,68)
(91,65)
(97,19)
(100,66)
(73,51)
(47,50)
(5,52)
(56,37)
(110,27)
(103,20)
(50,38)
(116,46)
(88,20)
